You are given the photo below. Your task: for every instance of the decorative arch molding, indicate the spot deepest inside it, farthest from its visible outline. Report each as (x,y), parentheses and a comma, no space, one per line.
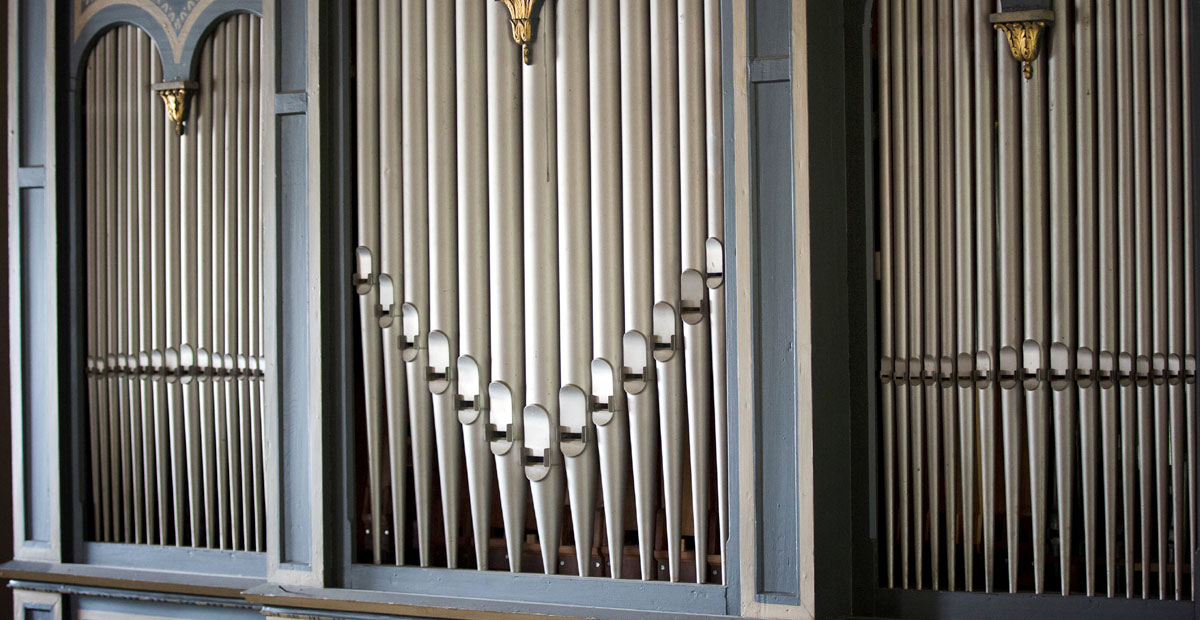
(177,27)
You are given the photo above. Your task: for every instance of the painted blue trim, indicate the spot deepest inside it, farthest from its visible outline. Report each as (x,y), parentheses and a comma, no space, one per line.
(291,103)
(31,176)
(189,58)
(186,559)
(131,595)
(524,588)
(194,609)
(773,271)
(733,547)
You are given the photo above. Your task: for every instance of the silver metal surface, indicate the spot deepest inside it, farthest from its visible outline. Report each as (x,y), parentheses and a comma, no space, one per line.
(915,203)
(1087,249)
(930,213)
(610,414)
(886,310)
(1062,339)
(693,290)
(638,373)
(368,252)
(442,354)
(1126,292)
(389,291)
(666,333)
(415,166)
(900,292)
(1107,253)
(576,431)
(715,263)
(1008,236)
(986,359)
(475,360)
(1143,286)
(541,264)
(506,288)
(1034,349)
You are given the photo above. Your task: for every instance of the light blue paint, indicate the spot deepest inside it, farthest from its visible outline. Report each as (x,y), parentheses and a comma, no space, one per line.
(31,92)
(39,309)
(293,323)
(513,590)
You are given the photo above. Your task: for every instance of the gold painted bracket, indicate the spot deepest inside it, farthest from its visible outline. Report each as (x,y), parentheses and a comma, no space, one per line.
(1024,30)
(175,96)
(521,18)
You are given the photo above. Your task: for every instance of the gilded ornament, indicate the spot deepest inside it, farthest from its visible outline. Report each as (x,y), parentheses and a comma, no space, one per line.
(521,18)
(175,96)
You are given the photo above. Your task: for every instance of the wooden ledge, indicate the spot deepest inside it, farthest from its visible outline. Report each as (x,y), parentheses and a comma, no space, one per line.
(121,578)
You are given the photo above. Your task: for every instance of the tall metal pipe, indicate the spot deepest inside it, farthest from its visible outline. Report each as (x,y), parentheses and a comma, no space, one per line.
(900,264)
(391,282)
(715,264)
(220,388)
(506,282)
(1143,189)
(1060,346)
(1109,346)
(610,415)
(930,272)
(415,311)
(368,252)
(1161,271)
(1176,307)
(1127,277)
(474,364)
(666,333)
(1034,349)
(443,342)
(987,357)
(912,75)
(697,336)
(202,130)
(638,372)
(576,431)
(886,350)
(1008,236)
(542,321)
(1087,251)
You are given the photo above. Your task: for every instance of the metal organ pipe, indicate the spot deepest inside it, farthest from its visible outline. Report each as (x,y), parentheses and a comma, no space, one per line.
(1060,345)
(473,365)
(577,438)
(888,364)
(715,258)
(366,275)
(414,313)
(390,254)
(693,289)
(986,359)
(610,414)
(568,269)
(1106,360)
(1055,205)
(542,458)
(506,289)
(443,267)
(638,373)
(174,267)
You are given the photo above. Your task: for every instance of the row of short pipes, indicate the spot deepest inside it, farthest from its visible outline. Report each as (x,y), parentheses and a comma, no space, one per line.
(540,269)
(175,359)
(1036,279)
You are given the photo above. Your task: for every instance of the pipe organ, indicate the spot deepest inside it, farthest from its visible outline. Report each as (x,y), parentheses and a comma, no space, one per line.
(174,288)
(539,273)
(1035,264)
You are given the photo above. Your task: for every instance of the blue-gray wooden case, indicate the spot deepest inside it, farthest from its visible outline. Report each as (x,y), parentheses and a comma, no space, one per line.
(313,534)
